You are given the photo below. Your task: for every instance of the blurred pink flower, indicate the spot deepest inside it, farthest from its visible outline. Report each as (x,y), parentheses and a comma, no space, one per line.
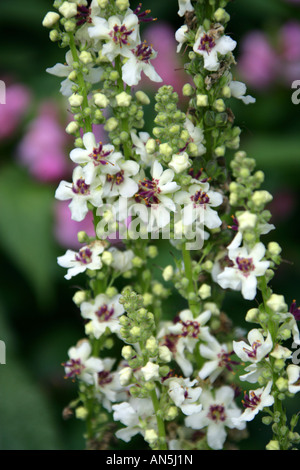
(42,149)
(17,102)
(289,40)
(258,63)
(167,63)
(66,229)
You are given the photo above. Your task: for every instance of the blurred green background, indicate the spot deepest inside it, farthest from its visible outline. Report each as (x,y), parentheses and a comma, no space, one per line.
(38,320)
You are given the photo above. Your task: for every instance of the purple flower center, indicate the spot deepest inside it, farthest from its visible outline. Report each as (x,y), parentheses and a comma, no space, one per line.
(252,353)
(251,400)
(217,413)
(190,329)
(147,192)
(225,360)
(80,187)
(171,341)
(207,43)
(75,368)
(120,35)
(99,155)
(200,198)
(83,15)
(104,313)
(84,256)
(117,179)
(104,378)
(143,52)
(245,265)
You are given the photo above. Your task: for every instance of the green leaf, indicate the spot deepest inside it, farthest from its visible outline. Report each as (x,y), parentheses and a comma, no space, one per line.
(26,228)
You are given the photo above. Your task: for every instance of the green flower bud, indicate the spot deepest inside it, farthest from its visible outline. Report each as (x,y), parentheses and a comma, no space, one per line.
(273,445)
(188,90)
(142,97)
(202,100)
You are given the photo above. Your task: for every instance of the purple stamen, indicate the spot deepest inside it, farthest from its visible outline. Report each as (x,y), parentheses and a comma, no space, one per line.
(75,366)
(295,310)
(80,187)
(245,265)
(104,378)
(225,360)
(207,43)
(148,191)
(251,401)
(117,179)
(252,353)
(120,35)
(217,413)
(200,198)
(100,155)
(104,313)
(142,16)
(84,256)
(190,329)
(83,15)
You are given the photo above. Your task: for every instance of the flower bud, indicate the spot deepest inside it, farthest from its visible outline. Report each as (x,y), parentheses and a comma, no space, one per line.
(68,10)
(188,90)
(107,258)
(125,376)
(261,197)
(274,248)
(79,297)
(164,354)
(273,445)
(277,303)
(168,273)
(219,105)
(151,346)
(247,220)
(142,97)
(127,352)
(150,146)
(75,100)
(204,291)
(150,371)
(165,149)
(50,19)
(111,124)
(123,99)
(252,315)
(151,436)
(282,384)
(202,100)
(81,413)
(180,162)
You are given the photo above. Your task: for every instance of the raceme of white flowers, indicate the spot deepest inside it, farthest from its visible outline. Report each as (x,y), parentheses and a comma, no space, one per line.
(152,370)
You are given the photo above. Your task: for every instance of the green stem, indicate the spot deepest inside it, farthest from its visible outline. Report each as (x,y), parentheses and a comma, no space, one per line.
(160,422)
(81,83)
(187,260)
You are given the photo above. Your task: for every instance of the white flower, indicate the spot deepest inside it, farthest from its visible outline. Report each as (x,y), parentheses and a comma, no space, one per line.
(81,364)
(218,412)
(191,329)
(121,183)
(196,136)
(218,359)
(180,162)
(150,371)
(93,75)
(257,348)
(122,260)
(209,47)
(139,141)
(247,266)
(99,158)
(107,384)
(180,36)
(184,6)
(120,36)
(185,395)
(176,345)
(254,371)
(154,195)
(255,401)
(81,193)
(130,414)
(238,90)
(103,312)
(293,373)
(198,203)
(139,60)
(86,258)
